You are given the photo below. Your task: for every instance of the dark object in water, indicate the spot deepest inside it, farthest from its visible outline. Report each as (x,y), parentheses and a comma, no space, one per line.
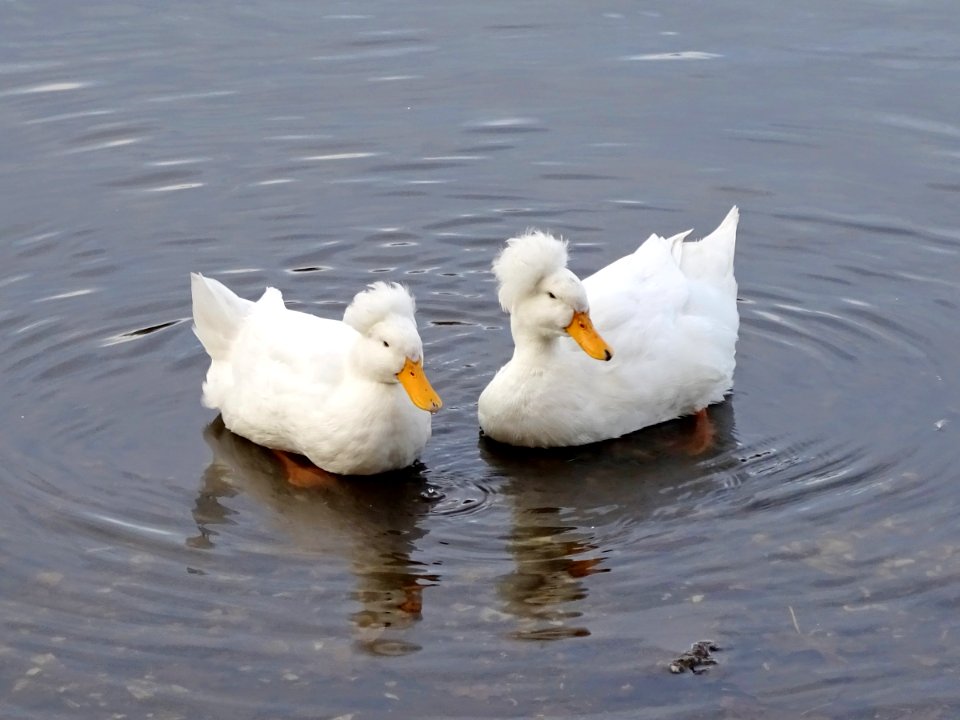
(696,658)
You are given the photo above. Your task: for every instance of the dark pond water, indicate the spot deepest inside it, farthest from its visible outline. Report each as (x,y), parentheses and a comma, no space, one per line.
(153,565)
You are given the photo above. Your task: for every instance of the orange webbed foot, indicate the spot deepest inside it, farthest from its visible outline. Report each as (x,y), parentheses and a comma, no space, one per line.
(304,476)
(703,434)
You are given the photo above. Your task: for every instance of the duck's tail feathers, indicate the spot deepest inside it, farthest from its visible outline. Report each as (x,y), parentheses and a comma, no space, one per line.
(712,257)
(675,243)
(217,314)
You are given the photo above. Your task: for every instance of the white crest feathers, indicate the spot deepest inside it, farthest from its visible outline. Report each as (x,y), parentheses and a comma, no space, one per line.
(378,302)
(524,262)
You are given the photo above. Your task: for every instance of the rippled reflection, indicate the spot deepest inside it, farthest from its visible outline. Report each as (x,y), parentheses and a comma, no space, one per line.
(552,560)
(373,523)
(571,506)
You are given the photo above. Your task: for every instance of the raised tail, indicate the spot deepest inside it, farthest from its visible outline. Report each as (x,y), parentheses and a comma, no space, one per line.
(217,314)
(712,257)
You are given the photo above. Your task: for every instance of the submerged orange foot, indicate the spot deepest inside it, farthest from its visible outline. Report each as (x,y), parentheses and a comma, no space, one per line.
(703,434)
(304,476)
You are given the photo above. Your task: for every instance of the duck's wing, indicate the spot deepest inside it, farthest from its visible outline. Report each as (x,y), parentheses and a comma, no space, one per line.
(282,350)
(639,296)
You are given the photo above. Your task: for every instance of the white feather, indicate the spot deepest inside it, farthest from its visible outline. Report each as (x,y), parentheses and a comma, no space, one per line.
(319,387)
(524,262)
(377,303)
(217,314)
(668,312)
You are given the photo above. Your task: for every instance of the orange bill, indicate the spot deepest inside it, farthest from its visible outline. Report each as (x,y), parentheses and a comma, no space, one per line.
(415,382)
(581,329)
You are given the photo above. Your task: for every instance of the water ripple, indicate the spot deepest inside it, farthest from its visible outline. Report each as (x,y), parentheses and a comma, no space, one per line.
(507,126)
(157,564)
(679,55)
(47,87)
(106,137)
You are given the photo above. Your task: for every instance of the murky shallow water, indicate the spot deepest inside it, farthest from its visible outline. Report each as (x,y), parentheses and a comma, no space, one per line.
(154,565)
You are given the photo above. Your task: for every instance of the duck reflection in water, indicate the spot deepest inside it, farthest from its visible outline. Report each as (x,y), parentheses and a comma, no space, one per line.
(373,521)
(572,508)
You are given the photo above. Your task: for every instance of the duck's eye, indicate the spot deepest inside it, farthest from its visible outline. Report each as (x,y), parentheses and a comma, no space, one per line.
(386,344)
(552,296)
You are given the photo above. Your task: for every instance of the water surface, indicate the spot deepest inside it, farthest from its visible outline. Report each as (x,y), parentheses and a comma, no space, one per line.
(153,564)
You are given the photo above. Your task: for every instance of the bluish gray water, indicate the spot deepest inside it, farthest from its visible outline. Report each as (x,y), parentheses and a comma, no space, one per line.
(154,565)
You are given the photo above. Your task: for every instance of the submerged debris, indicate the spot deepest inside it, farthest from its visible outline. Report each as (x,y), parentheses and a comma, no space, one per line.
(696,658)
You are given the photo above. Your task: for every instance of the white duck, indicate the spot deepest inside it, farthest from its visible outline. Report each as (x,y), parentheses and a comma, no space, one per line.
(349,395)
(669,311)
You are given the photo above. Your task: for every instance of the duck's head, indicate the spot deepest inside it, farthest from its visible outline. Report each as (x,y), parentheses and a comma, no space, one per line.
(543,297)
(389,349)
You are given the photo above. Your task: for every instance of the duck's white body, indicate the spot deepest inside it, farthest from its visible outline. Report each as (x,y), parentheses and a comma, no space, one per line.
(669,314)
(296,382)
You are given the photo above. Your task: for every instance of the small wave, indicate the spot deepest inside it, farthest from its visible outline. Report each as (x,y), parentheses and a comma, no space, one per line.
(683,55)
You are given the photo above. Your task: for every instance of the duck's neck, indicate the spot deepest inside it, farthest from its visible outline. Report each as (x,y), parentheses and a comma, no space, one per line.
(531,347)
(356,369)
